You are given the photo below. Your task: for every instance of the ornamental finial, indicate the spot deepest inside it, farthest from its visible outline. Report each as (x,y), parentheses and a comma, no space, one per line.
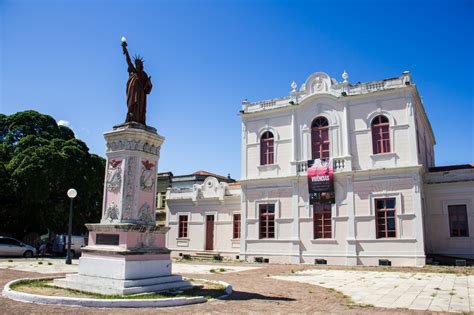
(345,76)
(294,86)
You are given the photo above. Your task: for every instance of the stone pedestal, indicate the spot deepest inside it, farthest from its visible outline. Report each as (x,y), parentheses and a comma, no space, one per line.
(126,253)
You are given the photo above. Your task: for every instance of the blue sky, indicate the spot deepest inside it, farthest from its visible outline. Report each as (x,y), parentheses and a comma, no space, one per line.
(63,58)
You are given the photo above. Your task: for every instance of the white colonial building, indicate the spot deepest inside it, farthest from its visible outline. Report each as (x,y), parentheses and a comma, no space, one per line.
(388,205)
(202,218)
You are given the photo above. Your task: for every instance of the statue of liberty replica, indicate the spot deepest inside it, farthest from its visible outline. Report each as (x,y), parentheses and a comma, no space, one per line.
(127,253)
(138,87)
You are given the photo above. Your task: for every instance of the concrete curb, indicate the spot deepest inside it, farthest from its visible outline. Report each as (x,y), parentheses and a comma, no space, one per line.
(109,303)
(228,287)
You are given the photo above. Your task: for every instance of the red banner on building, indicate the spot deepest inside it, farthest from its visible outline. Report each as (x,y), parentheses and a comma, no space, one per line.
(321,181)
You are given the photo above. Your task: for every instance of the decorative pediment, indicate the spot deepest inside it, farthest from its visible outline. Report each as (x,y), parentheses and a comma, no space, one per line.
(210,188)
(318,83)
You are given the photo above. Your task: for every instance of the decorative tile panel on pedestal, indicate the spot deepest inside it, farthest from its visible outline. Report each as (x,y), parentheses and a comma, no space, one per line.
(130,187)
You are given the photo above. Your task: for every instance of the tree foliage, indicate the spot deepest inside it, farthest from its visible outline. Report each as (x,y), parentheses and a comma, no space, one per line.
(39,162)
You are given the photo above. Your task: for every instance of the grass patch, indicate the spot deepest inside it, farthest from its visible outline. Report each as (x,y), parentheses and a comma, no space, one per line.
(46,287)
(348,301)
(217,270)
(40,262)
(50,264)
(434,294)
(10,260)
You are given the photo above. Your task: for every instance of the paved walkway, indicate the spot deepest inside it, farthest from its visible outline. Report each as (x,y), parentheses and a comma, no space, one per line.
(55,265)
(40,265)
(256,292)
(184,268)
(417,291)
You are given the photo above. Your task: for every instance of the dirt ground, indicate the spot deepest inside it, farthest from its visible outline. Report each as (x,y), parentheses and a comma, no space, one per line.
(254,293)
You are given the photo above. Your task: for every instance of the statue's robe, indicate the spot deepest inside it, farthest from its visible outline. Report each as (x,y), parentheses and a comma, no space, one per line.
(138,86)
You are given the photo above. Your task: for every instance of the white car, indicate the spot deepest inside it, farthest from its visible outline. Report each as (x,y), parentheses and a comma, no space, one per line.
(12,247)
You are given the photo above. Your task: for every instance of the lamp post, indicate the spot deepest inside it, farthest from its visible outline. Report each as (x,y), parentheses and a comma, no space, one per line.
(71,193)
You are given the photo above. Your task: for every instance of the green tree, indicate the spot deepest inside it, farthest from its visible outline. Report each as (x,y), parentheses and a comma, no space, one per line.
(39,162)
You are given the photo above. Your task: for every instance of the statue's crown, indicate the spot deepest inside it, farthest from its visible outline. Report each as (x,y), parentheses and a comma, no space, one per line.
(138,58)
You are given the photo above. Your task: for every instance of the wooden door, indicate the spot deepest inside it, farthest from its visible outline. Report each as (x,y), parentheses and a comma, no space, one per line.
(210,232)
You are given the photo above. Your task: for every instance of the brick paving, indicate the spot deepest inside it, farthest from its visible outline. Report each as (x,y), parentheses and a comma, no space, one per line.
(256,292)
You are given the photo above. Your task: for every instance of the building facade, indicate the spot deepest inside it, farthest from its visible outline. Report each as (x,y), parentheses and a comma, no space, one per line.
(379,142)
(204,217)
(163,182)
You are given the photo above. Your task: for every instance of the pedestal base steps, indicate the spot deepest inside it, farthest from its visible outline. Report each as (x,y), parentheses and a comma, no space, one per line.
(124,259)
(124,272)
(121,286)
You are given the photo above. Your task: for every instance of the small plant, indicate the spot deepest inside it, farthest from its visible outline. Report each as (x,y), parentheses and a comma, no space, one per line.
(292,271)
(212,271)
(40,262)
(10,260)
(452,293)
(221,269)
(434,294)
(437,288)
(50,263)
(321,282)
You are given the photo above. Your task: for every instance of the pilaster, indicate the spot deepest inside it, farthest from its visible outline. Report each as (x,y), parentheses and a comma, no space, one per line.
(295,227)
(418,210)
(243,222)
(351,236)
(411,118)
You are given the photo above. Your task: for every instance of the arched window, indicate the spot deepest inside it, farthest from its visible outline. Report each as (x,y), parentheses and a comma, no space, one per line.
(380,135)
(267,148)
(320,138)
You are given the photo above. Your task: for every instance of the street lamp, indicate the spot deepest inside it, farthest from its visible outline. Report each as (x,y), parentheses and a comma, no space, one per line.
(71,193)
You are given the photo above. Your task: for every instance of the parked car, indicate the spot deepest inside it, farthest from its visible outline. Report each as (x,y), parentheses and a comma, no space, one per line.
(13,247)
(60,245)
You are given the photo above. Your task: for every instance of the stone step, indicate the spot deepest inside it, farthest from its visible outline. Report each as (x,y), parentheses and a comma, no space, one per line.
(183,285)
(126,283)
(203,257)
(206,255)
(115,286)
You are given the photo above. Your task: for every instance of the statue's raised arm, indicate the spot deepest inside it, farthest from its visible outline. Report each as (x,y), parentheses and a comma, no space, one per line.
(131,68)
(138,86)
